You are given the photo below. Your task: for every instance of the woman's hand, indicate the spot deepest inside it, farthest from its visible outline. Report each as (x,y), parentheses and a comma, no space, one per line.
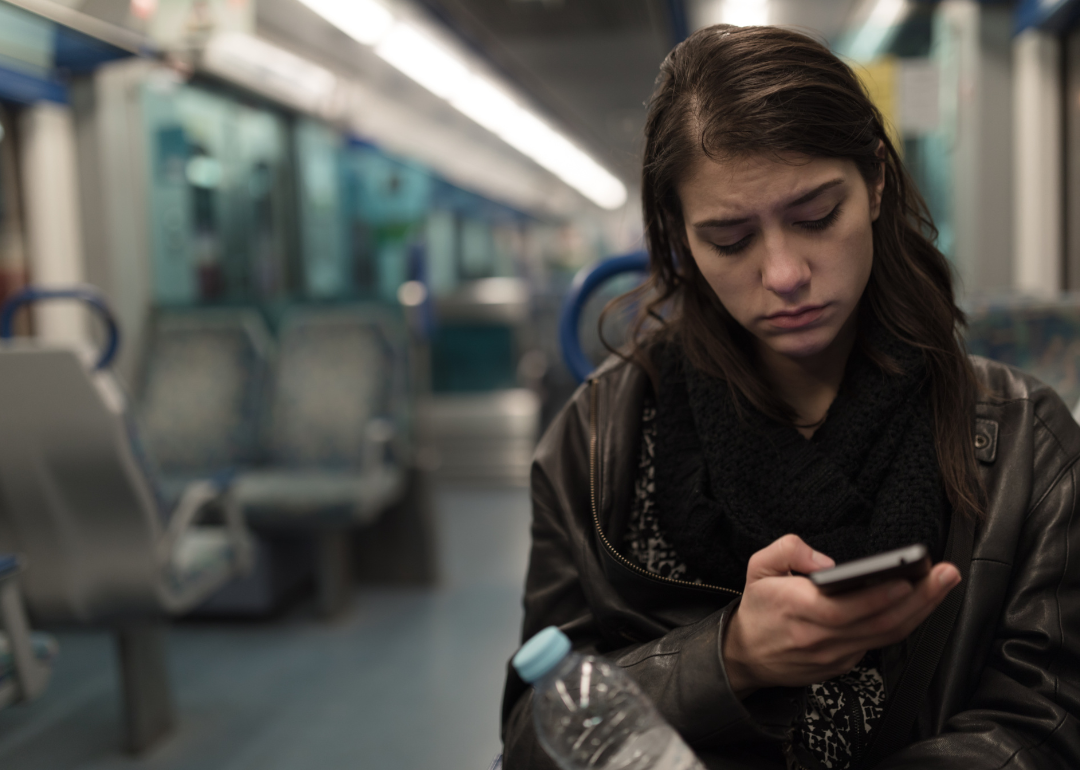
(786,633)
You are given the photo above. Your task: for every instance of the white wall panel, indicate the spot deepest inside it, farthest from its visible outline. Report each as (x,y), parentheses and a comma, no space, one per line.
(1038,164)
(53,225)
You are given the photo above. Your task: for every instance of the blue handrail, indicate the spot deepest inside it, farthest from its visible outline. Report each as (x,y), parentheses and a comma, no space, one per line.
(9,564)
(588,280)
(87,294)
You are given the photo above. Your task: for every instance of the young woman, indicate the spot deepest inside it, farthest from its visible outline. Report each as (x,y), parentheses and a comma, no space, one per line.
(797,396)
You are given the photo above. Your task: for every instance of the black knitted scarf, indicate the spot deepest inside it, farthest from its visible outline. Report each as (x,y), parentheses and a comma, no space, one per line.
(727,484)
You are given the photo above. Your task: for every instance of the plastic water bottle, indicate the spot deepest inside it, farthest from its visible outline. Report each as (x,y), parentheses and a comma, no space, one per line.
(591,715)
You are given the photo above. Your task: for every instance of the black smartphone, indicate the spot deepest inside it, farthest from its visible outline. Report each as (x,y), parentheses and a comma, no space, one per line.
(911,563)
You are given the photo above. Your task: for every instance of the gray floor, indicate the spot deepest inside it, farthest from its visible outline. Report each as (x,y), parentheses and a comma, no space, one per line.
(408,680)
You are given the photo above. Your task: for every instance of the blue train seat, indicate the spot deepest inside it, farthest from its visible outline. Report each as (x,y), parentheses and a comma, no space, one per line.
(335,438)
(1039,336)
(25,656)
(588,282)
(201,391)
(79,500)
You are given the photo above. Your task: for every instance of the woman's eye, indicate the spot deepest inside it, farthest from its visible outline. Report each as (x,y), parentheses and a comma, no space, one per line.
(731,248)
(825,221)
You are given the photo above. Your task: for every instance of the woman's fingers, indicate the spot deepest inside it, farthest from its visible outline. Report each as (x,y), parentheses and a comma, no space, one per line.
(784,556)
(899,596)
(897,621)
(786,631)
(846,609)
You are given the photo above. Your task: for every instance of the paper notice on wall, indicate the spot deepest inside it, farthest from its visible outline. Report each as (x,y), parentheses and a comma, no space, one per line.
(879,79)
(918,97)
(907,93)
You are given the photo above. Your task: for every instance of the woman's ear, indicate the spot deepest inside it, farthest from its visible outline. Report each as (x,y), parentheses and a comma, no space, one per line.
(877,189)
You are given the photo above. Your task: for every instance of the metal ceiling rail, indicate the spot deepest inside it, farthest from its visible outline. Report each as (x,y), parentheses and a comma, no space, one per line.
(122,38)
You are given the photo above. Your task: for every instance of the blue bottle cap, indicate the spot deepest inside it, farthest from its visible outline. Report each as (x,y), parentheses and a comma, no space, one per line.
(541,654)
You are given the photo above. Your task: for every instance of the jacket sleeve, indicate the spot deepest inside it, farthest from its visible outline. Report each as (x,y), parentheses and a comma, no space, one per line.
(1024,713)
(681,669)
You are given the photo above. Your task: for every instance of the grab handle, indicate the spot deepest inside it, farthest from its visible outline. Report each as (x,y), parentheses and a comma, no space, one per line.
(87,294)
(587,281)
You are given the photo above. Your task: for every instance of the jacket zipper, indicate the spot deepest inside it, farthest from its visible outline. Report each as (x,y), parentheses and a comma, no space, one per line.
(593,445)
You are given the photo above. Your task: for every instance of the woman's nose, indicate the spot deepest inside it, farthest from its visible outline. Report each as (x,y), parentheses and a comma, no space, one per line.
(784,271)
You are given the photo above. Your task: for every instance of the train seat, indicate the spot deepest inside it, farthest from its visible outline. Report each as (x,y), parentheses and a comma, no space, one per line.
(272,497)
(1039,336)
(77,499)
(625,272)
(334,440)
(200,393)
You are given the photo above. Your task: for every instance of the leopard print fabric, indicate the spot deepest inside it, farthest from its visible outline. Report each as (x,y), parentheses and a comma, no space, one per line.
(644,538)
(841,714)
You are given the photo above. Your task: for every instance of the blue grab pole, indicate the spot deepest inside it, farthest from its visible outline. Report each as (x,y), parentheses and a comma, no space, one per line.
(587,281)
(87,294)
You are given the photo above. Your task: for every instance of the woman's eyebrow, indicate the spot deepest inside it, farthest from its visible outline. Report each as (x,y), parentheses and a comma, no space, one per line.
(807,197)
(798,201)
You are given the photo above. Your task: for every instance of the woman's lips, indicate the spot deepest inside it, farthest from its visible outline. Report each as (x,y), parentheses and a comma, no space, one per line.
(797,318)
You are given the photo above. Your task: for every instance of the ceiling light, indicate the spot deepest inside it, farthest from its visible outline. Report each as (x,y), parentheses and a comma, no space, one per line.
(445,73)
(365,21)
(424,59)
(487,104)
(745,13)
(497,111)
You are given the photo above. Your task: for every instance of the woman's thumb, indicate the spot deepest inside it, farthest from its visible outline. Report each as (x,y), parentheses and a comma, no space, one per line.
(784,556)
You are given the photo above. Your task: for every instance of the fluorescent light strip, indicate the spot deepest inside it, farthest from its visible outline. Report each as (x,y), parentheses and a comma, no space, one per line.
(745,13)
(443,72)
(499,113)
(365,21)
(424,59)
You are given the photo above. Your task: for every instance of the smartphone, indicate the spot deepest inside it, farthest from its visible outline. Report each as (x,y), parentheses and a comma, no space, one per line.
(911,563)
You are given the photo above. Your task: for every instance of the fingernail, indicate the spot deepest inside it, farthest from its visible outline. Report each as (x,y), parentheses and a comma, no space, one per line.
(948,578)
(822,560)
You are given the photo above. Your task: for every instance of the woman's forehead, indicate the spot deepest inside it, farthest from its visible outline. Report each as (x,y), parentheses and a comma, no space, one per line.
(749,183)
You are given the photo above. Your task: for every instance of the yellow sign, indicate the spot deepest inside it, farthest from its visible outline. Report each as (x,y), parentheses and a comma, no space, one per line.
(879,79)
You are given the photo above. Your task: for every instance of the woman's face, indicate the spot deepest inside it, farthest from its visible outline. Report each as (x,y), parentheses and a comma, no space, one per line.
(785,244)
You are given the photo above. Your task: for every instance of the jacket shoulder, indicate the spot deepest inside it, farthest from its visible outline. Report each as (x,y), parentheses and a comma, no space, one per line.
(1002,384)
(568,430)
(615,367)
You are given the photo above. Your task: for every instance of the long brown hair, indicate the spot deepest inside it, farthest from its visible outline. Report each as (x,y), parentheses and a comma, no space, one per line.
(735,91)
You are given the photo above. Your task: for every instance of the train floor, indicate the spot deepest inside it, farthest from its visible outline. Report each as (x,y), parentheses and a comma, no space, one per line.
(407,679)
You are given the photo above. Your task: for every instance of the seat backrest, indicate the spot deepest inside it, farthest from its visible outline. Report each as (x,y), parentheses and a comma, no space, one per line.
(200,395)
(73,499)
(1040,337)
(336,371)
(589,281)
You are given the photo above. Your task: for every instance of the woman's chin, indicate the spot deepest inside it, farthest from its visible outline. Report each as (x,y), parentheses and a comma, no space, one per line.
(802,345)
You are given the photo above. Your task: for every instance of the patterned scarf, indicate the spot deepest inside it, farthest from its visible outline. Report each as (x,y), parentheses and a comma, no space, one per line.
(728,485)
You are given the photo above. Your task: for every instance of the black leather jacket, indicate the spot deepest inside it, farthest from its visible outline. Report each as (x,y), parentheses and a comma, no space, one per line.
(1006,692)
